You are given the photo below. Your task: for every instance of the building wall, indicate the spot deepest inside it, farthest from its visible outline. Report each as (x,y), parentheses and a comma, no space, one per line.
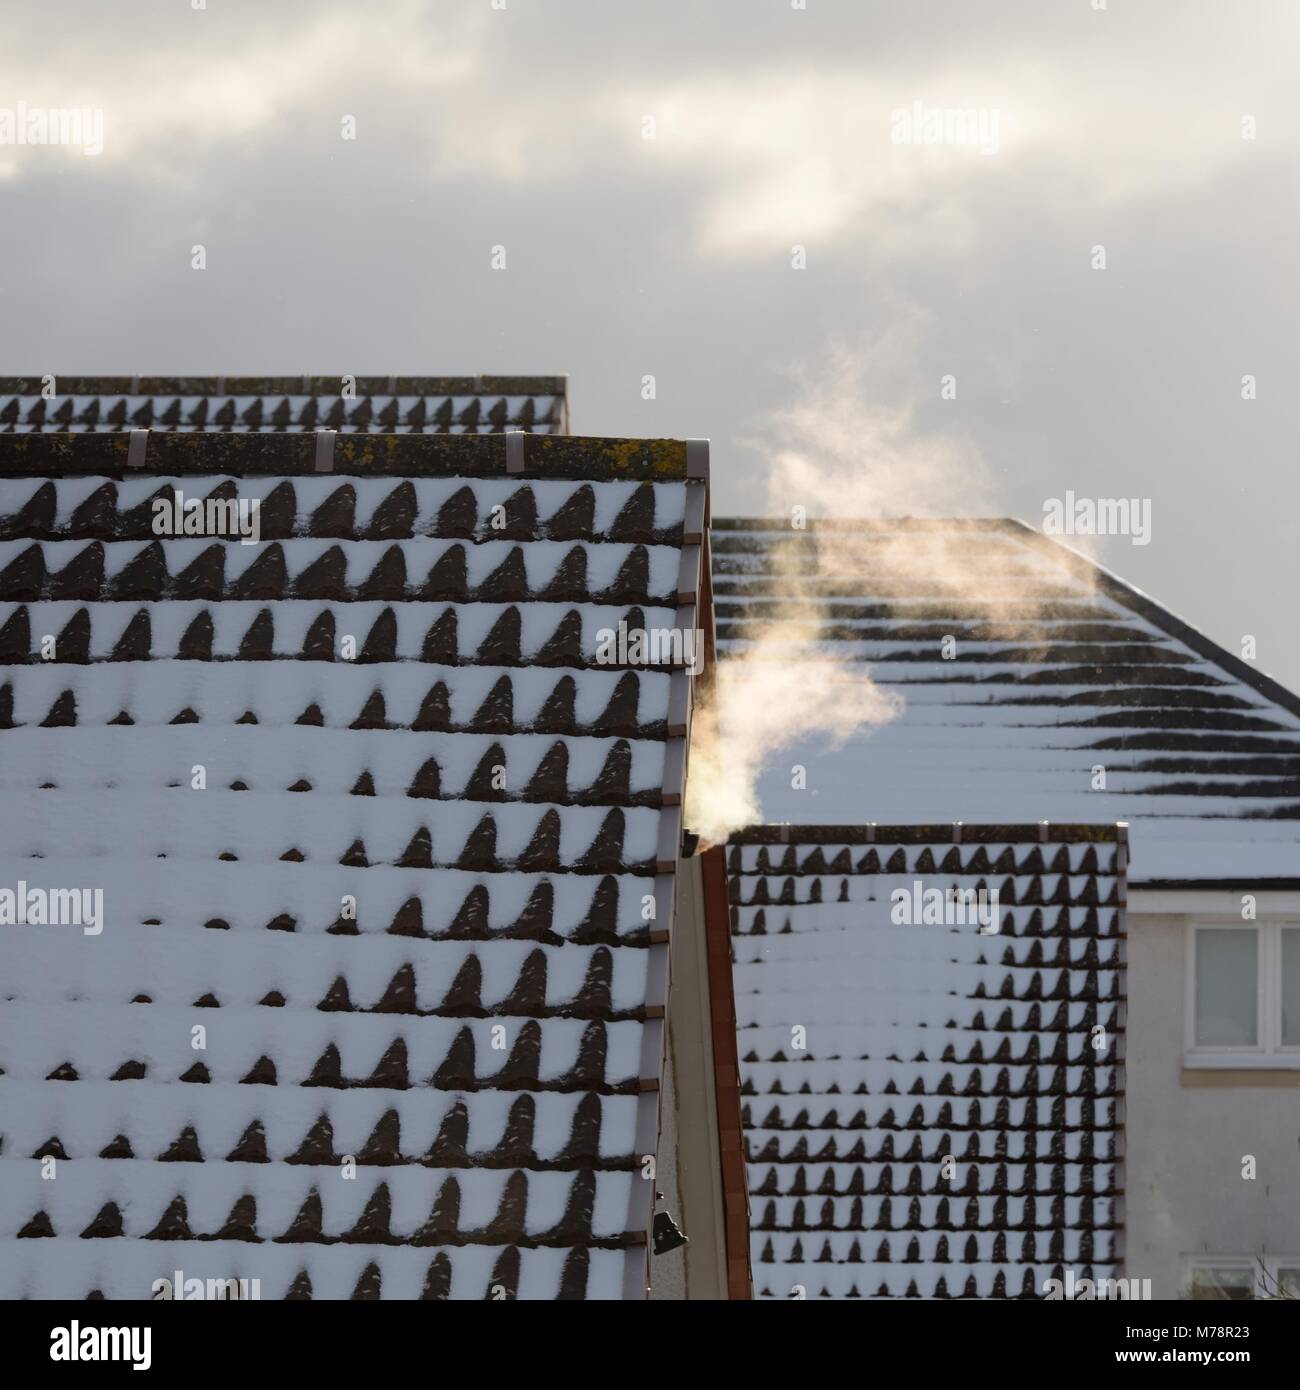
(689,1166)
(1186,1132)
(668,1272)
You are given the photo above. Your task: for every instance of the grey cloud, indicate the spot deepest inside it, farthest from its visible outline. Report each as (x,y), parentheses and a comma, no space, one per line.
(671,257)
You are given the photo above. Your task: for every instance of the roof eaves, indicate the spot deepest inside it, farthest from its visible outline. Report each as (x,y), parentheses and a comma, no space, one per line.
(1216,885)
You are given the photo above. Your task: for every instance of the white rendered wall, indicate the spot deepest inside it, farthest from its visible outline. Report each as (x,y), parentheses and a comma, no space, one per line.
(1187,1132)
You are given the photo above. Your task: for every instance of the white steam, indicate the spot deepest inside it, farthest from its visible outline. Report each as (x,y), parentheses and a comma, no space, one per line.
(842,456)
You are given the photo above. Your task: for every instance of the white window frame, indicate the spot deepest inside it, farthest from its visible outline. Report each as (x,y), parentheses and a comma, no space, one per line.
(1269,1051)
(1265,1280)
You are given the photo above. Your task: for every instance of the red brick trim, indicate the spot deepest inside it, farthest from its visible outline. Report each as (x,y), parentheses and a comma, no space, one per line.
(726,1072)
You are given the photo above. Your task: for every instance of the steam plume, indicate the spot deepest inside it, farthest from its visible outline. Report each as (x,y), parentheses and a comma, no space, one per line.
(840,456)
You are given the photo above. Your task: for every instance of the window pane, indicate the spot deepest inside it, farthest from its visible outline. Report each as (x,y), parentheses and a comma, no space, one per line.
(1291,986)
(1234,1284)
(1227,994)
(1288,1281)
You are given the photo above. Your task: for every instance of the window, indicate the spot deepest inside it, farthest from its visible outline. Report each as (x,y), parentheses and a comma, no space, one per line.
(1223,1281)
(1227,987)
(1237,1277)
(1290,976)
(1243,994)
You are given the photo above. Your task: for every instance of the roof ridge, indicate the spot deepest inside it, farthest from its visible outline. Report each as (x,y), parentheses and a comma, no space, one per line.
(170,453)
(213,385)
(814,523)
(954,832)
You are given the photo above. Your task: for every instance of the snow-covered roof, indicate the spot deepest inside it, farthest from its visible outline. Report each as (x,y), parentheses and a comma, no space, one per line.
(1035,686)
(368,811)
(381,405)
(930,1096)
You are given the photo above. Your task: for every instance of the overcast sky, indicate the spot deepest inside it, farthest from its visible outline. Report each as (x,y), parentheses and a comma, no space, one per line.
(626,256)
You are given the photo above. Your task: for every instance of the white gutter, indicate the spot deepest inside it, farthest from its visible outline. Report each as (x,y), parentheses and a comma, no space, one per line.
(1214,900)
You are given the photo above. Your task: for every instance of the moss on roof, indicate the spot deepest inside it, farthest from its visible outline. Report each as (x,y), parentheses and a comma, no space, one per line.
(403,455)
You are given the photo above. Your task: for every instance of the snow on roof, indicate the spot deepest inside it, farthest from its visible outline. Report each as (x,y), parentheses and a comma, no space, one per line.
(1057,672)
(383,405)
(929,1110)
(375,829)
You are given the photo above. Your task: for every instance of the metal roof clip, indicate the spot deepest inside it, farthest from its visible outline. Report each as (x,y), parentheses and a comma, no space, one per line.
(137,448)
(325,450)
